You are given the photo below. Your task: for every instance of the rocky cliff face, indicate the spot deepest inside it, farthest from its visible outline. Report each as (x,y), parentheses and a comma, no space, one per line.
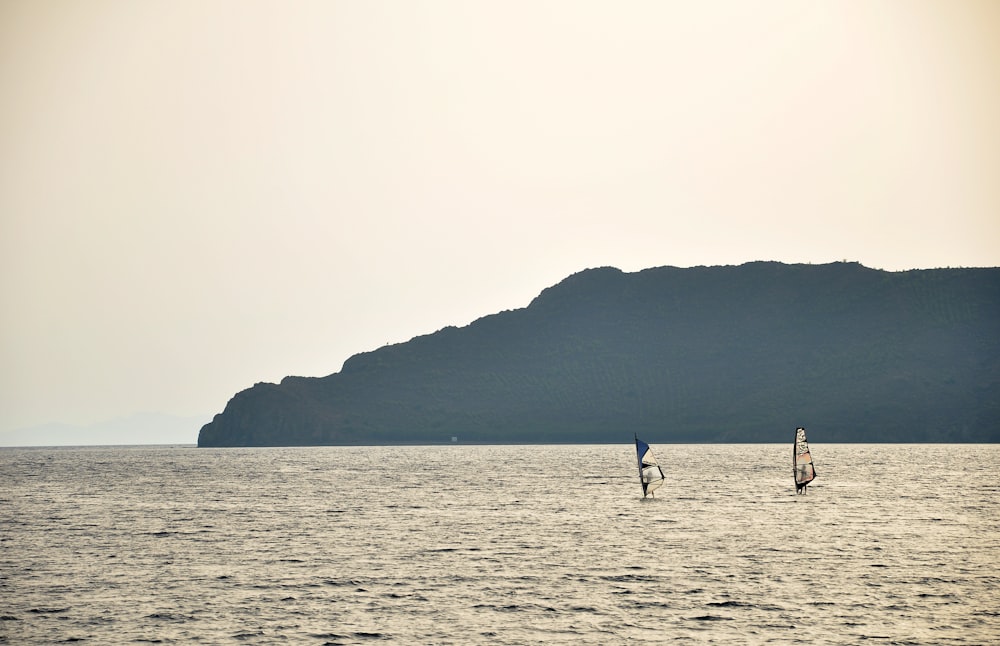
(735,354)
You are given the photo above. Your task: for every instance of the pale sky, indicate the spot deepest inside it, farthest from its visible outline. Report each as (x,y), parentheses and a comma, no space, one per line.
(199,195)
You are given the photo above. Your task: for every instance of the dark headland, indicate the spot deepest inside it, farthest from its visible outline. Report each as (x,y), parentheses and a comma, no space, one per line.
(707,354)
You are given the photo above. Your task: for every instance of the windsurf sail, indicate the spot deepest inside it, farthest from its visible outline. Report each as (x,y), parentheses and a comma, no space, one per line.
(650,473)
(802,462)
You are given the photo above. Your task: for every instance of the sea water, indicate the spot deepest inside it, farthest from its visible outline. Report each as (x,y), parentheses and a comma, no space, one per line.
(895,544)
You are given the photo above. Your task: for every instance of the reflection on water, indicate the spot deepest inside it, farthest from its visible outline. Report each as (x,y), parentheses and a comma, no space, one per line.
(499,544)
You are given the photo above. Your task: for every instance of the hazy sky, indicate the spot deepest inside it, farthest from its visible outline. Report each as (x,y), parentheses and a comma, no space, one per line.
(199,195)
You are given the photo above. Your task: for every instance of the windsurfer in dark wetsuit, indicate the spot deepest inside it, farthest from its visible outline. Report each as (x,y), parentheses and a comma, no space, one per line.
(800,474)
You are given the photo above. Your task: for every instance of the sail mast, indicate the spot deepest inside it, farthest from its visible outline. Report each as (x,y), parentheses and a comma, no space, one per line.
(638,451)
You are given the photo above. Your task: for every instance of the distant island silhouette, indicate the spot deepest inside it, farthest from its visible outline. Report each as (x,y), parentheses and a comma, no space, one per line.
(703,354)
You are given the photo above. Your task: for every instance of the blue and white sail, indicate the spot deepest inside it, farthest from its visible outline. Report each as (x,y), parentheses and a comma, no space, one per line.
(650,473)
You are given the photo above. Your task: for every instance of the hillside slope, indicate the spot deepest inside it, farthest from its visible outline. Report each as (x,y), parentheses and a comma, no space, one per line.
(721,354)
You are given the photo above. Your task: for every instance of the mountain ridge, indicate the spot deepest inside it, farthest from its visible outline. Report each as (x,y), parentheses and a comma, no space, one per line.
(723,354)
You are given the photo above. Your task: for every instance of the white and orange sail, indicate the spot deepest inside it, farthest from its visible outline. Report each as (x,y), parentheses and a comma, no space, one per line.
(802,462)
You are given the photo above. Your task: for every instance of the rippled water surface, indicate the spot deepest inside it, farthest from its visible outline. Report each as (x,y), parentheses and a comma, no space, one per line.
(499,544)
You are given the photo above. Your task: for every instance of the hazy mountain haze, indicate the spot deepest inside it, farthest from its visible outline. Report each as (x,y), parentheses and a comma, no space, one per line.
(138,428)
(197,196)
